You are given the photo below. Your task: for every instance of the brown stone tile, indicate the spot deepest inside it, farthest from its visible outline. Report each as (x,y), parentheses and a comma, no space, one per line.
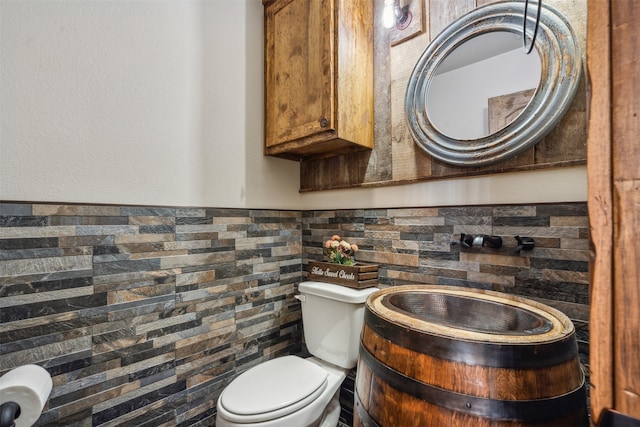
(197,259)
(569,221)
(491,278)
(204,342)
(158,254)
(151,220)
(389,258)
(36,232)
(560,254)
(445,272)
(488,258)
(567,276)
(571,232)
(514,211)
(76,210)
(143,238)
(197,277)
(582,244)
(412,212)
(446,264)
(43,353)
(72,241)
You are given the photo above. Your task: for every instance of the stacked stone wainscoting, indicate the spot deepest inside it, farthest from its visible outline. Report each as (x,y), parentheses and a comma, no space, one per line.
(414,246)
(142,315)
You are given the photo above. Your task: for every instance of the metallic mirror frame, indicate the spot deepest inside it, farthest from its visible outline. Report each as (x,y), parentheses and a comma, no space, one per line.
(560,58)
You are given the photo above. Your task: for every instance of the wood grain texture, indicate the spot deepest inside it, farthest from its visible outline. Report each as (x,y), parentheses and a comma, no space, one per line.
(408,161)
(476,380)
(600,205)
(357,276)
(298,60)
(395,153)
(415,27)
(354,78)
(442,13)
(318,77)
(371,166)
(399,386)
(422,360)
(625,63)
(503,109)
(626,325)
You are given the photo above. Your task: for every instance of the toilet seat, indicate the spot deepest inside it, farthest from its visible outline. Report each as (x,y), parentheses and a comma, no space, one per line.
(272,389)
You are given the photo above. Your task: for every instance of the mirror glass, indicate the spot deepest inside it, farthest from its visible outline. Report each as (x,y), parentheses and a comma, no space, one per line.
(482,85)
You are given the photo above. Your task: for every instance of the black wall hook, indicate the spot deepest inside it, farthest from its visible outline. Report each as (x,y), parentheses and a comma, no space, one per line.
(494,242)
(466,240)
(524,244)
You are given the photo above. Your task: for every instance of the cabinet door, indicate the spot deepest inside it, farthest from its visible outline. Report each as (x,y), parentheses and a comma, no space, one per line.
(299,68)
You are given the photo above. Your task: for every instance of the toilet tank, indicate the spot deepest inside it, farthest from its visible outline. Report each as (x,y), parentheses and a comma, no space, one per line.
(332,318)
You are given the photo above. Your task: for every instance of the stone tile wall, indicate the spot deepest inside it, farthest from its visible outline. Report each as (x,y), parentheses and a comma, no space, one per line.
(413,246)
(142,315)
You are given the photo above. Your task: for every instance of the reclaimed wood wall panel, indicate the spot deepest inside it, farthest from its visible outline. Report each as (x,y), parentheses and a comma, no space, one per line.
(600,202)
(625,69)
(442,13)
(614,206)
(396,159)
(408,161)
(614,201)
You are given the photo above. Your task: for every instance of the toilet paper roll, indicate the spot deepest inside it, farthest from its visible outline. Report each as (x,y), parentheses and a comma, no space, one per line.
(28,386)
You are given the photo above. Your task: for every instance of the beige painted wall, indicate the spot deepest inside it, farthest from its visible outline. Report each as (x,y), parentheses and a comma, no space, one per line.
(160,103)
(137,102)
(553,185)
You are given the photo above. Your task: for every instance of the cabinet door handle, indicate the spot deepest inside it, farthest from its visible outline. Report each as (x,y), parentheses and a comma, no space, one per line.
(324,122)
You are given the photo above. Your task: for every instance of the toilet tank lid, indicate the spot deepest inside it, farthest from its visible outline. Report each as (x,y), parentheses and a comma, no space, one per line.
(336,292)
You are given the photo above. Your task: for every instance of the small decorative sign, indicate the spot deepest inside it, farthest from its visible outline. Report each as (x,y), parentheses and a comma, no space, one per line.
(357,276)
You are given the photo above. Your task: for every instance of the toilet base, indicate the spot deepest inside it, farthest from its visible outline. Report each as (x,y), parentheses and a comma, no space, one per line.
(331,415)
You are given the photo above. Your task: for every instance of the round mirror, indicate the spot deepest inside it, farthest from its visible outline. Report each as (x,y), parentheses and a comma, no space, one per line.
(482,85)
(475,98)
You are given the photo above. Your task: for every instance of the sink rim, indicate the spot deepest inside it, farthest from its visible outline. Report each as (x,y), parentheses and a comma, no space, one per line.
(562,325)
(543,325)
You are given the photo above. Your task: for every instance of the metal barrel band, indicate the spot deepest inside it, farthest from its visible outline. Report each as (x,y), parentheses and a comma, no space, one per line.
(538,410)
(365,418)
(482,353)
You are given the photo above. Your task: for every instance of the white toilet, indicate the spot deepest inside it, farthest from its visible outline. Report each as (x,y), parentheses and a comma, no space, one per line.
(291,391)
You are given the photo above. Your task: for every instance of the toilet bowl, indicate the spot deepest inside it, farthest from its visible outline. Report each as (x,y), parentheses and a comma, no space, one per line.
(292,391)
(287,391)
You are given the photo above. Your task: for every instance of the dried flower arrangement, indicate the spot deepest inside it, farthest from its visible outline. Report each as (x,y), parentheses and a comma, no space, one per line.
(340,251)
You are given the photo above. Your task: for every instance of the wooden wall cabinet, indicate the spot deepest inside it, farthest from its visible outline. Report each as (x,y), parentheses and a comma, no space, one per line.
(318,77)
